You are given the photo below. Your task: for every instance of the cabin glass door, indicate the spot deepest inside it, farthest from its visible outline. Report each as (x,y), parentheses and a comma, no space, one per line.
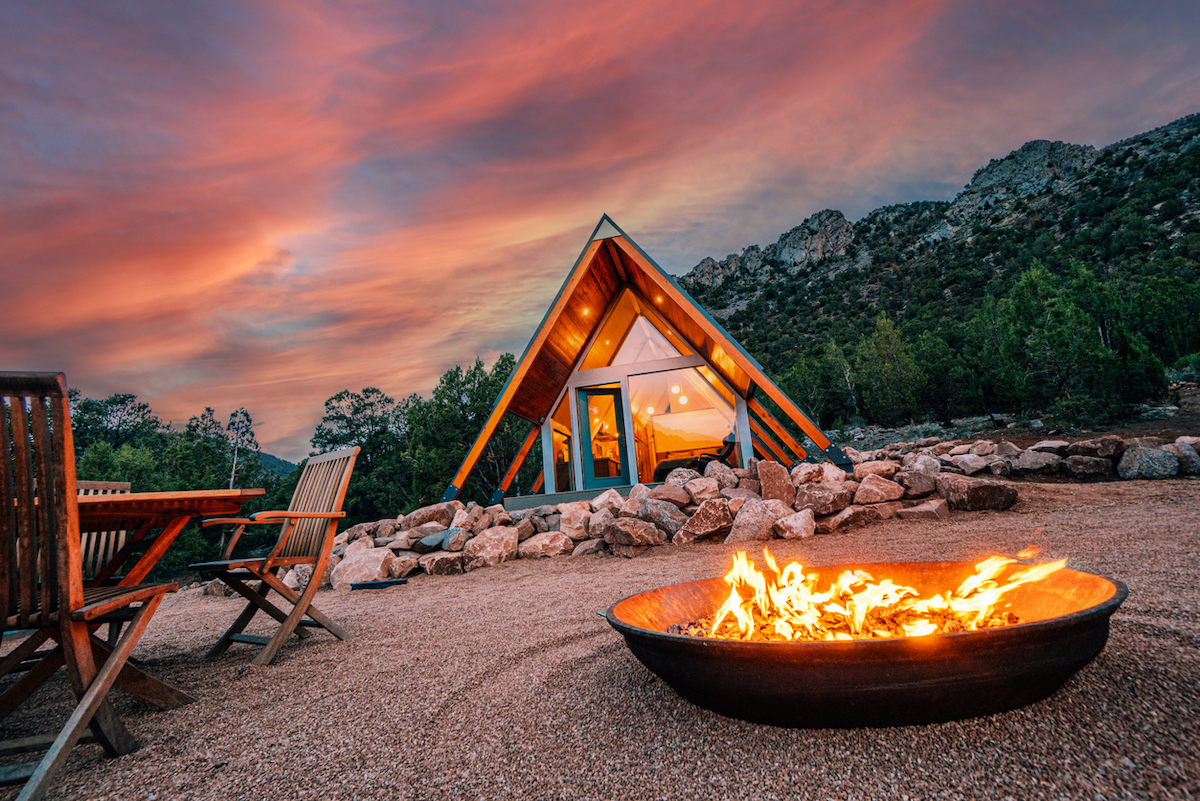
(602,425)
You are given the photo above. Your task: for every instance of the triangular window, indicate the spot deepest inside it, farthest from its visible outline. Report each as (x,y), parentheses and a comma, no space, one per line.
(630,335)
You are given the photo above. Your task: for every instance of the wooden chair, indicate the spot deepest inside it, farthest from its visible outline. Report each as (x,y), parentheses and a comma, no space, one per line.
(41,582)
(306,538)
(98,547)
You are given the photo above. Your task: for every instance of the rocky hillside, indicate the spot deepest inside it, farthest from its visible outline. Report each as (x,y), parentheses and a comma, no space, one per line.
(1130,212)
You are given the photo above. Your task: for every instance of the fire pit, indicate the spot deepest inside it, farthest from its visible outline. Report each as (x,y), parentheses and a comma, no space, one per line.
(876,682)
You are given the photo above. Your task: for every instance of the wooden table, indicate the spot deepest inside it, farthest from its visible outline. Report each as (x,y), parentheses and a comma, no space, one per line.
(143,513)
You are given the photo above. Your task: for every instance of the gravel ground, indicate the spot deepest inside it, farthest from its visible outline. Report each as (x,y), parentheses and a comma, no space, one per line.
(504,683)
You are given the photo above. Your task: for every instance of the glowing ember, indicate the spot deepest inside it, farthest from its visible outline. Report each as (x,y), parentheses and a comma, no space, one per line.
(784,605)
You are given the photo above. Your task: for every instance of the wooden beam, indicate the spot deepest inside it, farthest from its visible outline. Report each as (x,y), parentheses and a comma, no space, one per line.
(777,427)
(538,482)
(514,381)
(526,446)
(731,348)
(772,445)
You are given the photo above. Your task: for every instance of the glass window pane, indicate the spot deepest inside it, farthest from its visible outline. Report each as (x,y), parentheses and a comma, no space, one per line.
(629,336)
(560,435)
(679,417)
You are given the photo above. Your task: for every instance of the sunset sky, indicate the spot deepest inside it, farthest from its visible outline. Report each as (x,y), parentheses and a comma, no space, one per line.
(261,203)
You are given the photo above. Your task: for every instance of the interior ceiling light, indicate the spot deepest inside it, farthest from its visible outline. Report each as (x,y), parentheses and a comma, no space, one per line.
(683,399)
(586,312)
(649,410)
(658,299)
(674,389)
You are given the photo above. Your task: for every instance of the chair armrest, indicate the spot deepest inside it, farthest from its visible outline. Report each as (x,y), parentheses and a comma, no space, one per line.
(225,521)
(275,516)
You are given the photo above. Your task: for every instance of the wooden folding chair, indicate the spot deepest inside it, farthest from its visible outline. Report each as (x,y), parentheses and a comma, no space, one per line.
(41,582)
(306,538)
(98,547)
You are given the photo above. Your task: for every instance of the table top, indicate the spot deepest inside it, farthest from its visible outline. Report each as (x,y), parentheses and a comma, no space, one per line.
(131,506)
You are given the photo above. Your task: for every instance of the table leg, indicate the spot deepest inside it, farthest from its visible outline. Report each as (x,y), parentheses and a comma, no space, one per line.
(155,551)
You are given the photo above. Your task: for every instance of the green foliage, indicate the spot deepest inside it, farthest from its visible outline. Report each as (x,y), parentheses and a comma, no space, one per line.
(1066,301)
(119,439)
(888,378)
(411,449)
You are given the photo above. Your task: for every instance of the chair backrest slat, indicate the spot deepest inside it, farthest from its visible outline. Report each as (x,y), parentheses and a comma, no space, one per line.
(97,548)
(40,524)
(322,488)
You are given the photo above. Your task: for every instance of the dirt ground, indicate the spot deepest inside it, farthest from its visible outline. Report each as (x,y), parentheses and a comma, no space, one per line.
(504,683)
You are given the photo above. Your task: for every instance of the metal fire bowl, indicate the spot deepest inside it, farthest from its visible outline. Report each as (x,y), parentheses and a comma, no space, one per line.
(892,682)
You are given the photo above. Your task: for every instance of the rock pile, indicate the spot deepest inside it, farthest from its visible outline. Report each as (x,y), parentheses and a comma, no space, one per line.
(910,480)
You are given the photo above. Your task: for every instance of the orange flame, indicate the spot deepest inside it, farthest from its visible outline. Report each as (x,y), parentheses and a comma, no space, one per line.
(784,605)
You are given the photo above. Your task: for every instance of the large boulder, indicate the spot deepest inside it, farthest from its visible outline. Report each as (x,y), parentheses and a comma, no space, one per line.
(823,498)
(1006,449)
(1056,446)
(982,447)
(776,483)
(548,543)
(850,517)
(1194,442)
(371,564)
(573,520)
(1086,467)
(661,513)
(428,544)
(442,563)
(359,545)
(404,540)
(703,489)
(404,563)
(969,463)
(609,499)
(1109,446)
(454,539)
(589,547)
(712,519)
(633,531)
(932,509)
(680,476)
(972,494)
(439,512)
(883,469)
(673,494)
(807,473)
(751,484)
(491,547)
(833,473)
(916,483)
(722,472)
(729,493)
(877,489)
(798,526)
(1148,463)
(1035,462)
(1189,459)
(525,529)
(754,522)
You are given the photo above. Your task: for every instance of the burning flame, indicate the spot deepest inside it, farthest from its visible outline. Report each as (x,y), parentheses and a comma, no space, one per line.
(784,605)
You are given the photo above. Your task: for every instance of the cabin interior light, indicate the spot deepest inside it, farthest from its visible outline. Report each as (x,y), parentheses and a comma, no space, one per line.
(674,389)
(649,410)
(683,400)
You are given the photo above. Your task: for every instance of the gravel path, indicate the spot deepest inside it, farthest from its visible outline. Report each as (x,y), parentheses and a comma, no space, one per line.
(504,683)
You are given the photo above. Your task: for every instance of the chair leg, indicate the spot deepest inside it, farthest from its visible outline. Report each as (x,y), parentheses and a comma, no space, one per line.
(138,683)
(23,652)
(300,608)
(320,617)
(81,672)
(258,597)
(242,621)
(92,700)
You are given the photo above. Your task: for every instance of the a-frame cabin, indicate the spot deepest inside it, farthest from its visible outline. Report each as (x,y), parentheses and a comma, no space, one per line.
(627,377)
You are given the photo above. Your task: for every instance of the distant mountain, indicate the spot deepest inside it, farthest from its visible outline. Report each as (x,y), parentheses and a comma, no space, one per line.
(276,465)
(1129,212)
